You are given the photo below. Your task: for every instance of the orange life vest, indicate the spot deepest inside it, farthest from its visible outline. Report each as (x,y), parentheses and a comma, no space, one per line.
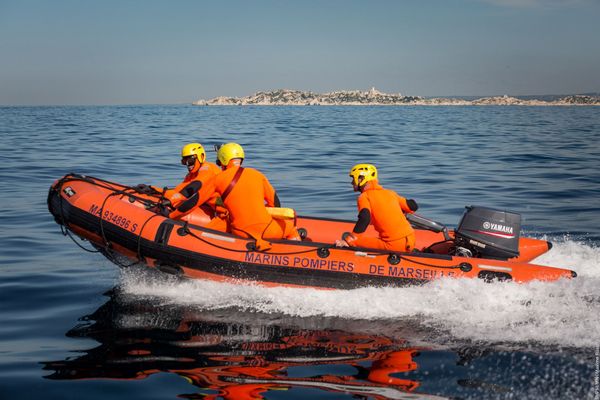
(246,201)
(205,172)
(387,210)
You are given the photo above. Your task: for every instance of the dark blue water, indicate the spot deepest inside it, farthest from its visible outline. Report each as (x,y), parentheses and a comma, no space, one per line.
(72,325)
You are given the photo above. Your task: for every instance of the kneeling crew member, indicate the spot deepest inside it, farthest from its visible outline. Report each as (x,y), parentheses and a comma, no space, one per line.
(244,192)
(196,188)
(384,209)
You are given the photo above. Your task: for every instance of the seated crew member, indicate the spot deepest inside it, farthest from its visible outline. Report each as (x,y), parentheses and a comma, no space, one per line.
(244,192)
(196,188)
(384,209)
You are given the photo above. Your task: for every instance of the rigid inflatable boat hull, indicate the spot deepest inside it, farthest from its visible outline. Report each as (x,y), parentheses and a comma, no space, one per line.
(116,220)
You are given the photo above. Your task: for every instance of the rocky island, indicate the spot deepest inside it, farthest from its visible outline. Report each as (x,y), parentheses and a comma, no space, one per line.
(285,97)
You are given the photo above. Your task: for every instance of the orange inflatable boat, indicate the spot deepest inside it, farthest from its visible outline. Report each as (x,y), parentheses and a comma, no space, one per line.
(126,227)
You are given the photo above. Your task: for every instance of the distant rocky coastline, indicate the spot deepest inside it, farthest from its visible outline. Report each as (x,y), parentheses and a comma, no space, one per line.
(284,97)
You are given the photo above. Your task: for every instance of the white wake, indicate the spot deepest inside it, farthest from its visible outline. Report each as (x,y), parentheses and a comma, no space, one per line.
(566,312)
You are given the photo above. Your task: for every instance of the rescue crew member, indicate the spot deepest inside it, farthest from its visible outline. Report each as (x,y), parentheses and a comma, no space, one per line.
(196,188)
(384,209)
(244,192)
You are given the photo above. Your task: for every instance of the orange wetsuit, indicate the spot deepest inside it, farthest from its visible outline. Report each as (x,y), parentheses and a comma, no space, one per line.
(384,209)
(195,190)
(245,202)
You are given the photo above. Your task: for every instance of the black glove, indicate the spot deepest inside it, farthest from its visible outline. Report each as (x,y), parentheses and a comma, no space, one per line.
(160,210)
(144,189)
(164,211)
(166,203)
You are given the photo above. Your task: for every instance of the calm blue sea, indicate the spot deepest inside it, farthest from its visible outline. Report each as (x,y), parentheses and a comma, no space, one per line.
(72,325)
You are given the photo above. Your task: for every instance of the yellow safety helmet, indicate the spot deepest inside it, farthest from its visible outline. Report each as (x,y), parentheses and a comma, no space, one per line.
(228,152)
(193,149)
(367,171)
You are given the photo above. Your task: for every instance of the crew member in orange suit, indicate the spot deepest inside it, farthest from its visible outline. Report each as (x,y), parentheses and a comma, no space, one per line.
(196,188)
(384,209)
(245,193)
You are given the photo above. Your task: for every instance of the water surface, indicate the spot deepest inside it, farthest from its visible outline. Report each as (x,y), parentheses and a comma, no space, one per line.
(75,326)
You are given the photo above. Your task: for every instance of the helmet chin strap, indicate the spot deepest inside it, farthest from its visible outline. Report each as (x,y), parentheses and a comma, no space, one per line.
(361,188)
(196,167)
(368,184)
(235,162)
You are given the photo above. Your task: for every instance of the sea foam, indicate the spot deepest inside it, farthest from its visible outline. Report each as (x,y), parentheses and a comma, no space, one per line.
(566,312)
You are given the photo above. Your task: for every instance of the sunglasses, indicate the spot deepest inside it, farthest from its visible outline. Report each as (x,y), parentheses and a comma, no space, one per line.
(188,160)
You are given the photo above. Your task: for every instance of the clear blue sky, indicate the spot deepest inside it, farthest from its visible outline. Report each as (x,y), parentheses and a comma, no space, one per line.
(120,52)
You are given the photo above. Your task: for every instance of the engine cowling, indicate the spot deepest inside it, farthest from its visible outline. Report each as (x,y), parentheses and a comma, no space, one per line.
(489,233)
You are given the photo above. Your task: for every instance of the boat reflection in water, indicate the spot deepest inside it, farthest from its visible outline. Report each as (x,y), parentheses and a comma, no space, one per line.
(230,354)
(238,355)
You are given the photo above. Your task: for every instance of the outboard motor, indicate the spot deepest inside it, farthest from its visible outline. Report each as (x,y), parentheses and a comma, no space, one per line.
(488,233)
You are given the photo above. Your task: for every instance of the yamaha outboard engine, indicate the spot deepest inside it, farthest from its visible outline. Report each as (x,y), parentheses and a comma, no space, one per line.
(488,233)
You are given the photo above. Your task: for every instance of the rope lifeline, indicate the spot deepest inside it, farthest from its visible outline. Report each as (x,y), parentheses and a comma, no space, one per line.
(150,203)
(66,231)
